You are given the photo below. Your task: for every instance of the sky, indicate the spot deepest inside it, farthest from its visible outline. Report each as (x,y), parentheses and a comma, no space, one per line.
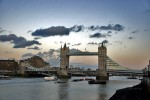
(40,27)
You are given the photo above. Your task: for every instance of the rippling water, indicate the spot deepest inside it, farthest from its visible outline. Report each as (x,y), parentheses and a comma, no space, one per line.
(38,89)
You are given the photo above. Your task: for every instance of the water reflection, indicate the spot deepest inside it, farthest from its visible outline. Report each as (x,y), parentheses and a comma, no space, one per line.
(63,90)
(102,92)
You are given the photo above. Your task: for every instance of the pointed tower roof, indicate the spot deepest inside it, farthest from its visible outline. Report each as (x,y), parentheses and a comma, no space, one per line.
(65,45)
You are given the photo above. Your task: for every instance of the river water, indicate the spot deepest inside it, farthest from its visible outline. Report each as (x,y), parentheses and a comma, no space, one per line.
(39,89)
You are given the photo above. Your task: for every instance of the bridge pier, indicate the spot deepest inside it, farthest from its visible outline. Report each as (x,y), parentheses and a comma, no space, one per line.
(102,75)
(63,73)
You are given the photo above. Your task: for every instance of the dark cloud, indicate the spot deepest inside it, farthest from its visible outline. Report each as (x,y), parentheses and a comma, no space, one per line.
(61,30)
(136,31)
(1,31)
(99,35)
(116,27)
(93,43)
(52,31)
(105,41)
(109,32)
(77,28)
(34,48)
(146,30)
(76,44)
(93,28)
(147,11)
(29,31)
(68,43)
(61,42)
(96,35)
(26,43)
(19,42)
(36,38)
(10,37)
(130,38)
(27,55)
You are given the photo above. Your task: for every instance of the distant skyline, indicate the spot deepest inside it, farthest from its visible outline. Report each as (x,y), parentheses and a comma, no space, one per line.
(40,27)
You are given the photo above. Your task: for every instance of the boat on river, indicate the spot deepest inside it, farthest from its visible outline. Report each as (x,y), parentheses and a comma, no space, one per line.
(5,77)
(50,78)
(97,82)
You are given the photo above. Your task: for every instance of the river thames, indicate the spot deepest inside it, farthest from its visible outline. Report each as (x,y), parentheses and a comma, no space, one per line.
(39,89)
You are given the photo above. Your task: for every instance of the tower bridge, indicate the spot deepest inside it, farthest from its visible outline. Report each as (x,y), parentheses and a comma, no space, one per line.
(101,73)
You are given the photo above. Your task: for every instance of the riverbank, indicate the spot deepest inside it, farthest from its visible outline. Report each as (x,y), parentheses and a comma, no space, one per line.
(138,92)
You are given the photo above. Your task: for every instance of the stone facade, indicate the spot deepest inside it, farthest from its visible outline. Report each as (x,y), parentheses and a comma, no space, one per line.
(101,73)
(64,62)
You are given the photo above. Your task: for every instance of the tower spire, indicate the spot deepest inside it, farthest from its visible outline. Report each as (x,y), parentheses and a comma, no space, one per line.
(102,44)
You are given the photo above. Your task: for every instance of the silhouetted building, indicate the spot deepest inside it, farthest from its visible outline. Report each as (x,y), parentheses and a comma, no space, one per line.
(149,69)
(8,66)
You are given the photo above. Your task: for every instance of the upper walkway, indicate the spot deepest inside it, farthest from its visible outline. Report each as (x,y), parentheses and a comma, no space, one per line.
(82,53)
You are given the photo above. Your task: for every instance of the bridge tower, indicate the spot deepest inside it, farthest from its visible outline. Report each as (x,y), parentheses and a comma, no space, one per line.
(101,73)
(64,62)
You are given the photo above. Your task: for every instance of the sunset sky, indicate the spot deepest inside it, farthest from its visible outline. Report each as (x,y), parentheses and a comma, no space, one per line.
(28,27)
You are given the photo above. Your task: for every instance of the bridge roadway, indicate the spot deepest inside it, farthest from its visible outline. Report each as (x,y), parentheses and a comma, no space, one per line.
(93,72)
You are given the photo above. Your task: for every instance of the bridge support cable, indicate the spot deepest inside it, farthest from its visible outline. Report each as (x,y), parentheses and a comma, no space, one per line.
(55,62)
(112,65)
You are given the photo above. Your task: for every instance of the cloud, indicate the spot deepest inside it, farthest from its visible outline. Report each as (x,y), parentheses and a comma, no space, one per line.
(116,27)
(10,37)
(52,31)
(26,43)
(136,31)
(19,42)
(27,55)
(1,31)
(146,30)
(34,48)
(68,43)
(50,56)
(62,30)
(93,43)
(130,38)
(74,50)
(77,28)
(93,28)
(119,42)
(29,31)
(36,38)
(99,35)
(105,41)
(76,44)
(109,32)
(147,11)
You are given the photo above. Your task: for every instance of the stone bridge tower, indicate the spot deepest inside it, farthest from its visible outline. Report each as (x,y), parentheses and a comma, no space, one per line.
(64,62)
(101,73)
